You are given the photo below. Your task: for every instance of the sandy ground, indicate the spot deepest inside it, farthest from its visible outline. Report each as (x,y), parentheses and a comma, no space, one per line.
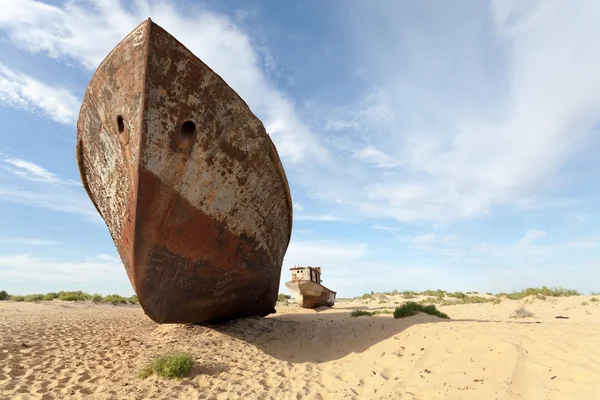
(58,350)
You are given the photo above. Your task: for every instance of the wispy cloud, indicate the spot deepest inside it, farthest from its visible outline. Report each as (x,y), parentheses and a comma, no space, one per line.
(28,267)
(385,228)
(26,241)
(35,186)
(214,38)
(22,91)
(35,173)
(325,217)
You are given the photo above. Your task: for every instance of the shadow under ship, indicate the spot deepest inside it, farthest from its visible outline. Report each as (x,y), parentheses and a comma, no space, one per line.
(187,181)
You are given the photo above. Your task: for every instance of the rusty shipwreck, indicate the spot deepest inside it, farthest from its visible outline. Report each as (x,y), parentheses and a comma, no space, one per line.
(307,288)
(187,181)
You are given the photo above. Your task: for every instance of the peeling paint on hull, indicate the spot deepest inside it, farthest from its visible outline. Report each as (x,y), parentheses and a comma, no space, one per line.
(187,181)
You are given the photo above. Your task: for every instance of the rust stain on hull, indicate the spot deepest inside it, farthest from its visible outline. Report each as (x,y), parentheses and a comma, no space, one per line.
(187,181)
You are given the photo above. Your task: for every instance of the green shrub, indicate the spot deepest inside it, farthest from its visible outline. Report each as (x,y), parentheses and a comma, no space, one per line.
(34,297)
(77,295)
(134,299)
(521,312)
(360,313)
(175,365)
(97,298)
(594,300)
(457,295)
(115,299)
(4,295)
(50,296)
(17,298)
(283,297)
(411,308)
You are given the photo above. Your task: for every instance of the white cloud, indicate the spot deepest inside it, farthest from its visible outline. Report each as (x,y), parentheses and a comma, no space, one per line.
(490,121)
(530,236)
(69,201)
(297,207)
(48,191)
(371,154)
(34,269)
(385,228)
(22,91)
(26,241)
(67,31)
(33,172)
(325,217)
(430,240)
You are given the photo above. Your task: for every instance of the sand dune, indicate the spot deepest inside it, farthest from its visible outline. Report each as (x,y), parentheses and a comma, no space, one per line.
(56,350)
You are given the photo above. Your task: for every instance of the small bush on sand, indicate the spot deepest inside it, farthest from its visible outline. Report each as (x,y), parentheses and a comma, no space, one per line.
(594,300)
(521,312)
(115,299)
(97,298)
(174,365)
(50,296)
(584,303)
(411,308)
(134,299)
(458,295)
(283,297)
(77,295)
(384,311)
(361,313)
(34,297)
(17,298)
(4,295)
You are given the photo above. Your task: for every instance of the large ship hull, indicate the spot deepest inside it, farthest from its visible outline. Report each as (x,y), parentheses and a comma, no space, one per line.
(187,181)
(311,294)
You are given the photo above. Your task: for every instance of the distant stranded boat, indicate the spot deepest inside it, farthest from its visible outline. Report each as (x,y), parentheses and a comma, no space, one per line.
(187,181)
(307,289)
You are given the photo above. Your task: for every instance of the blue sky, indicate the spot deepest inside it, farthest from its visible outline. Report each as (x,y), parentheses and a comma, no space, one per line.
(426,146)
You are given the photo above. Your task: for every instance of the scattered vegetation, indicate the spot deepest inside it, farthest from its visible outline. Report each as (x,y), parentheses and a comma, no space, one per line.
(115,299)
(361,313)
(175,365)
(464,300)
(595,293)
(283,297)
(50,296)
(584,303)
(521,312)
(411,308)
(543,291)
(74,296)
(34,297)
(594,300)
(71,296)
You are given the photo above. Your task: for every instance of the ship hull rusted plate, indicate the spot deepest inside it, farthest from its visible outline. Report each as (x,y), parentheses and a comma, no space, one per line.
(187,181)
(310,294)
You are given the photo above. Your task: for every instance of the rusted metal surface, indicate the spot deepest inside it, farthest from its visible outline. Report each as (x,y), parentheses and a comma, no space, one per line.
(307,289)
(187,180)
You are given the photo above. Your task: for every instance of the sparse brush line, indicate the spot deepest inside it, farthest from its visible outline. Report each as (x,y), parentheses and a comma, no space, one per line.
(76,295)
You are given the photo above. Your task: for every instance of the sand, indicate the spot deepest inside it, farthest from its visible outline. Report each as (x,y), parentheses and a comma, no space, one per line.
(58,350)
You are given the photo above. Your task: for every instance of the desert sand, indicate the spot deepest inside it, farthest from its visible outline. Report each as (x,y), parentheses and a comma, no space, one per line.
(57,350)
